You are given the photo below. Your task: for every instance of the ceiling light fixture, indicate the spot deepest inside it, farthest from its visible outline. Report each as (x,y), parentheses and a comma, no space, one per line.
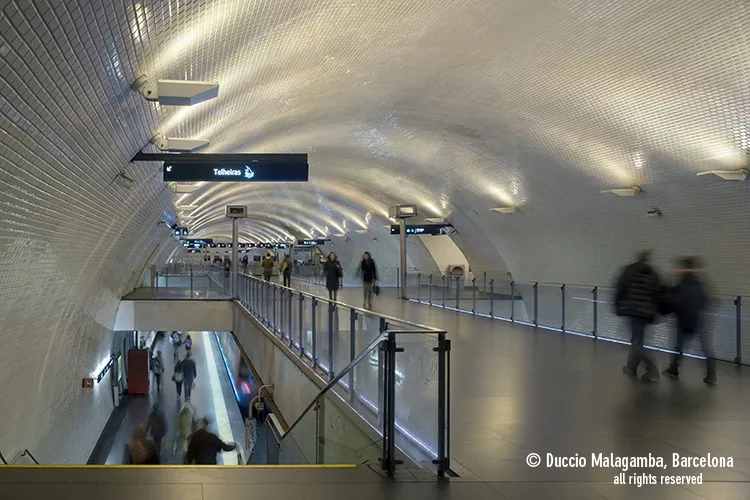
(626,192)
(178,145)
(123,180)
(729,175)
(435,220)
(175,92)
(505,210)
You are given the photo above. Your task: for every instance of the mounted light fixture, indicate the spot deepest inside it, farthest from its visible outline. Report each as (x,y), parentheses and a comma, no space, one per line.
(123,180)
(182,187)
(632,191)
(187,207)
(435,220)
(175,145)
(175,92)
(505,210)
(361,230)
(729,175)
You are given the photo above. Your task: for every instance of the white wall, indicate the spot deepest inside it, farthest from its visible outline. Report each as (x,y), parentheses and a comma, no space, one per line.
(179,315)
(443,250)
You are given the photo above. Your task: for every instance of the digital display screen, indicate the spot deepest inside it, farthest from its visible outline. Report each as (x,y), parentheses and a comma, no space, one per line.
(429,229)
(252,171)
(311,243)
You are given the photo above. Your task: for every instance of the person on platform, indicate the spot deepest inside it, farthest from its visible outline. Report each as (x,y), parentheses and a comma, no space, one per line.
(332,273)
(189,374)
(204,446)
(157,425)
(638,292)
(267,267)
(286,271)
(245,262)
(178,376)
(368,271)
(157,366)
(185,428)
(141,450)
(688,300)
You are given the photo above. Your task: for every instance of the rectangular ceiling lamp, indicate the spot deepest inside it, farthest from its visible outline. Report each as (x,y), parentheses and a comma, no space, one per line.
(435,220)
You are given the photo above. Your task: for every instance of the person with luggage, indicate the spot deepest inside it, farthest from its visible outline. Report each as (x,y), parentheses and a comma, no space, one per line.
(369,274)
(332,273)
(638,292)
(689,299)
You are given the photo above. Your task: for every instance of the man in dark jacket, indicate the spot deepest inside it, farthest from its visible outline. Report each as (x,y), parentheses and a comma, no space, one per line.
(637,296)
(689,300)
(157,424)
(204,446)
(189,373)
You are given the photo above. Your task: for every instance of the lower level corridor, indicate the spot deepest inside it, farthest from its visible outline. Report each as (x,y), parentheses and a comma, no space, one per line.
(212,397)
(517,390)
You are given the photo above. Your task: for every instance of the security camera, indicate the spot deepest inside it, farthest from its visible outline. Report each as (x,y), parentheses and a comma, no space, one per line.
(653,212)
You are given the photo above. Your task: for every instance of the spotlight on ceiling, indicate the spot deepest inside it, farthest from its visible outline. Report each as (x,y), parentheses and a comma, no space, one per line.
(435,220)
(360,231)
(340,235)
(183,188)
(729,175)
(505,210)
(632,191)
(175,92)
(174,145)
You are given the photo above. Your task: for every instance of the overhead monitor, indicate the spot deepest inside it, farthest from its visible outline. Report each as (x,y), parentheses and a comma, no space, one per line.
(426,229)
(312,243)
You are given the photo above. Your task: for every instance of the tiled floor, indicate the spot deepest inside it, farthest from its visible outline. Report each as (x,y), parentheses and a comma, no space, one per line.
(517,390)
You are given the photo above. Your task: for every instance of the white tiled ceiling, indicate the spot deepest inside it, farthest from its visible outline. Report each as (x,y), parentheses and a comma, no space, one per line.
(456,106)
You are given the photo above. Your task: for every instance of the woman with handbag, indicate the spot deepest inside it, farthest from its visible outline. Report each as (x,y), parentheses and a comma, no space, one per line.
(332,272)
(369,273)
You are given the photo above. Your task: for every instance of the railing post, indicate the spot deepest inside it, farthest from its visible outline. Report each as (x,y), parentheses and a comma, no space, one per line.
(191,282)
(512,301)
(595,297)
(320,430)
(443,287)
(301,326)
(458,294)
(314,333)
(738,313)
(429,288)
(443,451)
(484,284)
(536,303)
(473,295)
(291,317)
(352,348)
(492,298)
(273,309)
(166,281)
(419,287)
(388,462)
(331,314)
(562,289)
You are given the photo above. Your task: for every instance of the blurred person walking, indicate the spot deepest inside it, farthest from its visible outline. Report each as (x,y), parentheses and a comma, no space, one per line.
(178,376)
(141,450)
(189,374)
(157,366)
(369,273)
(286,271)
(204,446)
(157,425)
(267,267)
(638,292)
(184,429)
(689,300)
(332,272)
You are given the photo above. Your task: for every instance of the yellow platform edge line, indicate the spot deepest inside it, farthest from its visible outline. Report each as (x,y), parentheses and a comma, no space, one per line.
(165,466)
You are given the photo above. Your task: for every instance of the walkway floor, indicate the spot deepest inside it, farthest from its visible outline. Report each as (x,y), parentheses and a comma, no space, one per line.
(517,390)
(212,397)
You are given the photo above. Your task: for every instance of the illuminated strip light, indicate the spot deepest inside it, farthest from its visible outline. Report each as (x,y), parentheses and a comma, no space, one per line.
(232,380)
(217,395)
(101,371)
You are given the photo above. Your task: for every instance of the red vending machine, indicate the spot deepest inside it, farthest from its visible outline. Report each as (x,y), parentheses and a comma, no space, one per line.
(138,374)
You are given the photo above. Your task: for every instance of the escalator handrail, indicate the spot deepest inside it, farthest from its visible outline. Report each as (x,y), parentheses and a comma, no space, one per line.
(373,345)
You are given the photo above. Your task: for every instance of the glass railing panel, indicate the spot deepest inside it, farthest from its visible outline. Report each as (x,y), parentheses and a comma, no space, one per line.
(609,325)
(501,299)
(417,397)
(579,309)
(549,297)
(524,302)
(721,329)
(346,438)
(299,446)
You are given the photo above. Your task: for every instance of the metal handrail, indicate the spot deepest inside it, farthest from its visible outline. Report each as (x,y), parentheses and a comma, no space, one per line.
(366,312)
(26,452)
(373,345)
